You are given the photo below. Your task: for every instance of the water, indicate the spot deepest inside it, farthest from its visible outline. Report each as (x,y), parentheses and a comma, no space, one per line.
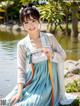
(71,46)
(8,64)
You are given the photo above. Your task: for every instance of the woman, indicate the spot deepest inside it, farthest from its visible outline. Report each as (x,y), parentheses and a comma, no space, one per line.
(33,53)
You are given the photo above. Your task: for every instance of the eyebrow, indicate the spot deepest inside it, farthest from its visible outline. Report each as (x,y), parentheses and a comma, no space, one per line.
(29,20)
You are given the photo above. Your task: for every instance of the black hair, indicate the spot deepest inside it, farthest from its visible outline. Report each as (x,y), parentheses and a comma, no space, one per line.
(28,11)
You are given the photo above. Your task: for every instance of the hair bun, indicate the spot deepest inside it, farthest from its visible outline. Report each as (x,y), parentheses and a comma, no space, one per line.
(28,5)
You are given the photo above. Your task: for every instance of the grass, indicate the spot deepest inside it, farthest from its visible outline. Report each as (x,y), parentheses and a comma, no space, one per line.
(73,87)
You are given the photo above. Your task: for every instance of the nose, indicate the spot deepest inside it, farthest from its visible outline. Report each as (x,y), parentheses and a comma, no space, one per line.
(31,24)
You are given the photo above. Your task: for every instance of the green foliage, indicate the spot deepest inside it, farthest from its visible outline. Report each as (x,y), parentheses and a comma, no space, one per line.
(76,102)
(25,1)
(28,1)
(74,86)
(52,13)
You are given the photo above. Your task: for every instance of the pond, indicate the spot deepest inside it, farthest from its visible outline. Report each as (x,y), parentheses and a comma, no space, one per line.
(8,64)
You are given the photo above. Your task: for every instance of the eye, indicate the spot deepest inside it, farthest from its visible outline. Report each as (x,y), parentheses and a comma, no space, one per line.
(33,20)
(26,22)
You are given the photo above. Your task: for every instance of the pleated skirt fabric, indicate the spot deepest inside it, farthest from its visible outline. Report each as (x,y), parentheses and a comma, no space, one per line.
(38,92)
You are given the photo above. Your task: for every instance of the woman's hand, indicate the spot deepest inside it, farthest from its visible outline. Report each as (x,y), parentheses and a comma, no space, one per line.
(48,53)
(15,99)
(18,96)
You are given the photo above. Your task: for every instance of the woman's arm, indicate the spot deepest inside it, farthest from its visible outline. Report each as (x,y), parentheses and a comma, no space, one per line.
(58,51)
(21,65)
(20,88)
(18,96)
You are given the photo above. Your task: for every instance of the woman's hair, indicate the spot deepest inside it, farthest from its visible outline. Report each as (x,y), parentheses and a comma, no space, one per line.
(27,12)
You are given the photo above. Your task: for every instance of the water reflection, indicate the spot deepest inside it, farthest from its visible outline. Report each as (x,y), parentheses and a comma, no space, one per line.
(8,64)
(75,48)
(5,36)
(71,46)
(8,48)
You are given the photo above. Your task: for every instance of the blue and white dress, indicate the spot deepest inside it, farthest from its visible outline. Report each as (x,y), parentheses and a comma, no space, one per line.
(38,92)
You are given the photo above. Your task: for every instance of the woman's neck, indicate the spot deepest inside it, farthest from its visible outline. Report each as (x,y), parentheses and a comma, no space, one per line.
(35,35)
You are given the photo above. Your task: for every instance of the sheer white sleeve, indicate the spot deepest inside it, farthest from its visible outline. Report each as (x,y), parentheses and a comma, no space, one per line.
(21,63)
(59,53)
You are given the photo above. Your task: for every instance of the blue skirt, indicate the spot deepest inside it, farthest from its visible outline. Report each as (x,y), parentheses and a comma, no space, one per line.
(38,93)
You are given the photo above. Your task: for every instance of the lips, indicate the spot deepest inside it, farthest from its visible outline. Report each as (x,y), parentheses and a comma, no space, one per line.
(31,29)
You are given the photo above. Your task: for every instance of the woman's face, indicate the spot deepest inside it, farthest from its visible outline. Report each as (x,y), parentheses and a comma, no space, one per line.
(31,25)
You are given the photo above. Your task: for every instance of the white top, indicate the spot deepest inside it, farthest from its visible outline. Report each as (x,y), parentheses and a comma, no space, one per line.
(25,46)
